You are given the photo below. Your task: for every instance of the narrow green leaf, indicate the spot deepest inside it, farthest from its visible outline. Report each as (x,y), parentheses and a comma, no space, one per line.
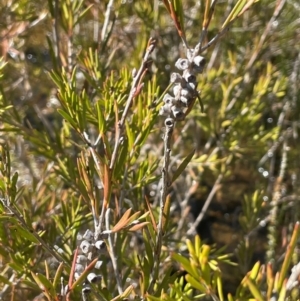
(57,276)
(101,120)
(185,263)
(82,14)
(220,286)
(235,11)
(282,293)
(46,284)
(182,166)
(195,283)
(178,8)
(23,233)
(166,213)
(206,13)
(125,294)
(4,280)
(254,271)
(288,255)
(130,135)
(254,289)
(122,159)
(68,118)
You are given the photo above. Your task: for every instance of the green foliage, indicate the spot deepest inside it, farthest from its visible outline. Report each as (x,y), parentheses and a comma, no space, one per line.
(95,205)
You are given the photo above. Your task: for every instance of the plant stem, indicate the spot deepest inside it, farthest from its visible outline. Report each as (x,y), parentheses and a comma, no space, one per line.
(134,91)
(112,254)
(272,235)
(106,20)
(169,123)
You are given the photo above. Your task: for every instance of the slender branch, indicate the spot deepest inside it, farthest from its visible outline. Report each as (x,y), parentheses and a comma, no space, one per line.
(95,11)
(70,55)
(133,93)
(212,41)
(207,22)
(56,36)
(192,230)
(272,235)
(106,20)
(169,123)
(214,54)
(112,252)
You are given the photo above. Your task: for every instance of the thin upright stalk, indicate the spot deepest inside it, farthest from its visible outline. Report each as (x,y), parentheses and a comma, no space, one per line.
(272,236)
(106,19)
(134,91)
(169,123)
(112,254)
(56,36)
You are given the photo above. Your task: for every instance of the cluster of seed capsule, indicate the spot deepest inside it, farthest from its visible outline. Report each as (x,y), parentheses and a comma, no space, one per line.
(184,88)
(89,250)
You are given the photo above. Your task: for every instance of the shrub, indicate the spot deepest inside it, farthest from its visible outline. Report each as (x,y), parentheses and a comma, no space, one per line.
(146,156)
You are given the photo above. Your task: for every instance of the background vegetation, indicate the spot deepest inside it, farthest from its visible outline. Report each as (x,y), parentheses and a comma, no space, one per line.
(89,210)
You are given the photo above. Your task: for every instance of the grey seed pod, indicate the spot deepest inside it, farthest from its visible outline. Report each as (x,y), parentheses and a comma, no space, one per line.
(79,236)
(185,92)
(90,255)
(177,113)
(79,268)
(165,110)
(175,78)
(93,278)
(180,116)
(59,250)
(189,76)
(88,235)
(192,86)
(182,64)
(185,101)
(169,122)
(198,64)
(85,246)
(169,99)
(81,259)
(100,244)
(98,264)
(76,275)
(177,90)
(86,289)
